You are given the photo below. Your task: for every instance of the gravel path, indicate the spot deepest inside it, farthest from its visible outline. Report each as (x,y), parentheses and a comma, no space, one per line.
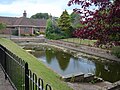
(4,84)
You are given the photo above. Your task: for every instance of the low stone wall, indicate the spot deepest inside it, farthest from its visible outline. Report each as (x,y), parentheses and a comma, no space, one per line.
(63,43)
(80,77)
(114,86)
(36,40)
(86,49)
(74,78)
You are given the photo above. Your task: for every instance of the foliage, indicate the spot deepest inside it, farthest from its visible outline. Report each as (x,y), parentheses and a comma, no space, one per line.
(25,34)
(102,23)
(40,16)
(2,26)
(42,32)
(64,24)
(116,51)
(32,34)
(37,33)
(49,28)
(72,79)
(52,29)
(75,20)
(55,36)
(61,28)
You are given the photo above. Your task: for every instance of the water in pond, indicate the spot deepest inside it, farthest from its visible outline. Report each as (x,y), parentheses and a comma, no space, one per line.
(64,63)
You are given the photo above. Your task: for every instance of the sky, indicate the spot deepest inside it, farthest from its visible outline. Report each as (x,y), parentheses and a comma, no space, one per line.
(15,8)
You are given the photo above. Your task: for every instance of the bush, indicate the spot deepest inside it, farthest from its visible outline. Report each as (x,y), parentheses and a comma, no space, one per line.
(22,34)
(116,51)
(32,34)
(27,34)
(37,33)
(55,36)
(42,33)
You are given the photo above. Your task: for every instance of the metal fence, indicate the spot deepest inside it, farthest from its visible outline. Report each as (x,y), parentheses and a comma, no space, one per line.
(18,73)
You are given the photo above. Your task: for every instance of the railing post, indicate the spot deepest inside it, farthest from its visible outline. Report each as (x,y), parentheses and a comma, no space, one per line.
(48,86)
(5,62)
(26,77)
(1,55)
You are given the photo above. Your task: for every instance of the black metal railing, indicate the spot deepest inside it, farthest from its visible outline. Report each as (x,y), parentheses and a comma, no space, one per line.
(18,73)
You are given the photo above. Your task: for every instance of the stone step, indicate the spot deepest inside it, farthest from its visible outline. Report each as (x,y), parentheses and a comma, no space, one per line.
(88,77)
(78,77)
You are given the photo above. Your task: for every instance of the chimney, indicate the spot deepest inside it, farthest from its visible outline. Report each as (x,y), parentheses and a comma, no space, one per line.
(24,14)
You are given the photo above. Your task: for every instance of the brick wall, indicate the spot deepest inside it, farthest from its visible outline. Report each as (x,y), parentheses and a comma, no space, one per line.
(25,30)
(5,31)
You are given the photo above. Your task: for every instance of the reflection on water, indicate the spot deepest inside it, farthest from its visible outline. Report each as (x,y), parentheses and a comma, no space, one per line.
(64,63)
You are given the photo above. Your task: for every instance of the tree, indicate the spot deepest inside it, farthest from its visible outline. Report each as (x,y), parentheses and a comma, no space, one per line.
(64,24)
(52,30)
(40,16)
(49,28)
(103,23)
(75,20)
(2,26)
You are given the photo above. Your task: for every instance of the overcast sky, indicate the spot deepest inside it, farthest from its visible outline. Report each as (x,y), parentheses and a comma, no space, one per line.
(15,8)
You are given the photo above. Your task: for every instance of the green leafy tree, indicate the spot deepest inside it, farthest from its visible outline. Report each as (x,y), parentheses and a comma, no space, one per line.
(49,28)
(64,24)
(52,30)
(2,26)
(40,16)
(75,20)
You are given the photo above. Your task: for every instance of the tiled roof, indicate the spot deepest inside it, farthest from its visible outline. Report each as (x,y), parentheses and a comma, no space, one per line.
(8,20)
(39,22)
(23,21)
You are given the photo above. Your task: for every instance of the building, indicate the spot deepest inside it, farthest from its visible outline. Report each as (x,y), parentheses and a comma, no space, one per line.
(22,25)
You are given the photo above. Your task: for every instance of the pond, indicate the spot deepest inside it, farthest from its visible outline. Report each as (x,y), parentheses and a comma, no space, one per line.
(65,63)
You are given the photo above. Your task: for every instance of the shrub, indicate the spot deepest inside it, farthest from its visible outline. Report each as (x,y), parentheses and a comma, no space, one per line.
(42,33)
(22,34)
(72,79)
(55,36)
(37,33)
(27,34)
(32,34)
(116,51)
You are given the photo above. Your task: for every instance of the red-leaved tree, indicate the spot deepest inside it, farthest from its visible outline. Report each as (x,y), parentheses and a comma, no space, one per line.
(101,23)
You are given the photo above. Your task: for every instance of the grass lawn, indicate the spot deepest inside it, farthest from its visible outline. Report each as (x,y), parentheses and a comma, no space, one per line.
(80,41)
(36,66)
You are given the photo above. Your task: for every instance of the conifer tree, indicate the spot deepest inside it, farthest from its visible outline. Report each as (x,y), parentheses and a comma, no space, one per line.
(64,24)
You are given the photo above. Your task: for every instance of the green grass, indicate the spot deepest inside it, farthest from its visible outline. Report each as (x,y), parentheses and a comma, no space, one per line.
(116,51)
(36,66)
(80,41)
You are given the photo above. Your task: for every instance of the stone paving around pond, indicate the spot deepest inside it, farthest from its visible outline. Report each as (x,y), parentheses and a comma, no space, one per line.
(86,49)
(4,84)
(97,86)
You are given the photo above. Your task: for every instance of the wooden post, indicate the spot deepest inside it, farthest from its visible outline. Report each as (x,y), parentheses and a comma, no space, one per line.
(19,31)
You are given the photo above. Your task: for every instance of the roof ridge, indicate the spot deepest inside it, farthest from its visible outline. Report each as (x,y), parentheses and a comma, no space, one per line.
(23,21)
(7,17)
(17,22)
(32,21)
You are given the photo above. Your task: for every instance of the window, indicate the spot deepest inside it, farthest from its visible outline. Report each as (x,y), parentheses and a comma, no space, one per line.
(26,30)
